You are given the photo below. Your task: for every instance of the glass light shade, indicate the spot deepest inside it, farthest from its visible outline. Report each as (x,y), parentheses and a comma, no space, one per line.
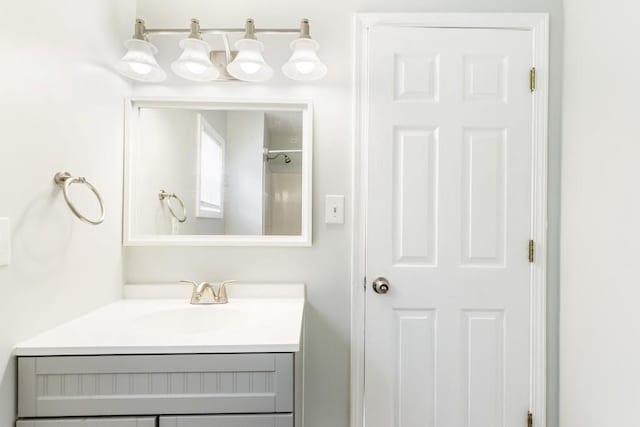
(249,65)
(194,63)
(139,63)
(304,63)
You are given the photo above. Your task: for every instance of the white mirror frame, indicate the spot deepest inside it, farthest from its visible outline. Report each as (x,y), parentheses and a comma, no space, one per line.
(132,135)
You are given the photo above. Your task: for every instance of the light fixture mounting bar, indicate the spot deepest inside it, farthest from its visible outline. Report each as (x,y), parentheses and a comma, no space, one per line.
(220,31)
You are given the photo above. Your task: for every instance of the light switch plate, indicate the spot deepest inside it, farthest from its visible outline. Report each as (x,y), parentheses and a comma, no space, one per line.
(5,242)
(334,209)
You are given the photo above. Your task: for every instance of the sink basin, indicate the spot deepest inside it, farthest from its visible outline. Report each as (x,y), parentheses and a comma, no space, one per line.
(193,319)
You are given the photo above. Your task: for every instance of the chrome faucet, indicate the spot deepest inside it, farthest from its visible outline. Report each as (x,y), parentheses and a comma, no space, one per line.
(205,292)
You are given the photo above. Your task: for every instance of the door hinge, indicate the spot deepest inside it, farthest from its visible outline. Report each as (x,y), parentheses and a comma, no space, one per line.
(529,419)
(532,79)
(531,250)
(364,283)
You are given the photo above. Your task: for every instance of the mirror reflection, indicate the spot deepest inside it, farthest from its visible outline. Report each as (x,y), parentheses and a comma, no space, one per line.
(217,172)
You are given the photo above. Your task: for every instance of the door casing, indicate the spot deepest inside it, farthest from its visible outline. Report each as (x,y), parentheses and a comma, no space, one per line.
(538,24)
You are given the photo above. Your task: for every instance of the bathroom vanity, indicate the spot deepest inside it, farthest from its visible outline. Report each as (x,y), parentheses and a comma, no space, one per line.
(240,175)
(143,362)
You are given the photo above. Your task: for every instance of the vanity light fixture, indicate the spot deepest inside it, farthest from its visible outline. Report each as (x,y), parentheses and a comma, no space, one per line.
(139,63)
(194,63)
(249,64)
(199,63)
(304,63)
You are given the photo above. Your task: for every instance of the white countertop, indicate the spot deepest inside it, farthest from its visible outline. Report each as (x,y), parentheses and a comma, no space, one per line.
(249,323)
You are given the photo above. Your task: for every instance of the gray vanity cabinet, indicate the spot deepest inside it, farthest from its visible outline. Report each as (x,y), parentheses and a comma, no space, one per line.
(273,420)
(206,388)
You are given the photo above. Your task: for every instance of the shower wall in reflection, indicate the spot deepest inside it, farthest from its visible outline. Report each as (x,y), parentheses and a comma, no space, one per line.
(283,174)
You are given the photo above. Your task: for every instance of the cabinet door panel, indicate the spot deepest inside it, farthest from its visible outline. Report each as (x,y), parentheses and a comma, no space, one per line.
(89,422)
(274,420)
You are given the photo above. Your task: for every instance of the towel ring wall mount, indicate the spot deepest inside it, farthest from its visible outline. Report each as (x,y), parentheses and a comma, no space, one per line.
(162,195)
(64,180)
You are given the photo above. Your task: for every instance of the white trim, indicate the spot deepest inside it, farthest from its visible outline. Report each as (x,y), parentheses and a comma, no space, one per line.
(538,24)
(358,219)
(539,222)
(221,240)
(132,108)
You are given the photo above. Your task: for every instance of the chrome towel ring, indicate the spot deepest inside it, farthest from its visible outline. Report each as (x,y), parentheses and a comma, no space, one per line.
(162,195)
(64,180)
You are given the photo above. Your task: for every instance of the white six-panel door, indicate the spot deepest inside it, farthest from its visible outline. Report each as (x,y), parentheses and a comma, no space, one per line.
(448,224)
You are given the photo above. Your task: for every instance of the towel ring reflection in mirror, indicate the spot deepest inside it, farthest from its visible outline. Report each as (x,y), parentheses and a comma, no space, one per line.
(162,195)
(64,180)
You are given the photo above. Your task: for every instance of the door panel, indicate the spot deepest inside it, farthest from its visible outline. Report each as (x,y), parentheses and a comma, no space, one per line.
(483,196)
(414,190)
(485,367)
(448,223)
(416,367)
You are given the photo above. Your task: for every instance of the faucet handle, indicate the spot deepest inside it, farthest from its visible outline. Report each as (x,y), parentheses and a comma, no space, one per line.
(226,282)
(189,282)
(222,291)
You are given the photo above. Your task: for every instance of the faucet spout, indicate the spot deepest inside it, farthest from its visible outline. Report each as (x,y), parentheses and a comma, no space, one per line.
(205,292)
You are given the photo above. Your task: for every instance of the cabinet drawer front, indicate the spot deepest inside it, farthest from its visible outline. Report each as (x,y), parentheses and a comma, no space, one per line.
(90,422)
(155,384)
(274,420)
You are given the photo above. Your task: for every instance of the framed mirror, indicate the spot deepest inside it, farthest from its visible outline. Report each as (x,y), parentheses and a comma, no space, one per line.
(217,173)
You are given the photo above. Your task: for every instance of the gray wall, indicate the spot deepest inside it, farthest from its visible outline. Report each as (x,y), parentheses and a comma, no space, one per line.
(324,267)
(600,209)
(61,108)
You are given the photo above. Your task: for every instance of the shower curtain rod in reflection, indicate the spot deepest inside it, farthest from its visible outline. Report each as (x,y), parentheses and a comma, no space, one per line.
(283,151)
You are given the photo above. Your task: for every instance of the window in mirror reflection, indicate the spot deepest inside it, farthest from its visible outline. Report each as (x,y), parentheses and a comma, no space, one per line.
(211,171)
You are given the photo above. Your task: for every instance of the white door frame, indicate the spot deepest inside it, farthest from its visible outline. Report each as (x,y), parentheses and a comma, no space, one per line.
(538,24)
